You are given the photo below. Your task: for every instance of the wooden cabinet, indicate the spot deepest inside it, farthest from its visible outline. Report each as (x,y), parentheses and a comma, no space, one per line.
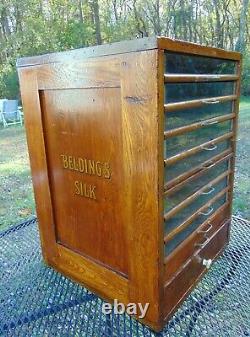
(132,149)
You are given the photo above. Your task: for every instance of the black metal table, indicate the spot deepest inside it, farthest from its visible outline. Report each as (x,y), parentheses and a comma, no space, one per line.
(37,301)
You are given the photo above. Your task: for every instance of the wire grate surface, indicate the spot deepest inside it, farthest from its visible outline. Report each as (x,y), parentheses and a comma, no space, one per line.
(37,301)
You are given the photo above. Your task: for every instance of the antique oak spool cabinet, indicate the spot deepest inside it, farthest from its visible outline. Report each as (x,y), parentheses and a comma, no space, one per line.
(132,149)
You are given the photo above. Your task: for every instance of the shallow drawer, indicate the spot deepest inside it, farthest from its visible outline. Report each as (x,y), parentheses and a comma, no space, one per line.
(181,143)
(172,171)
(177,63)
(172,199)
(173,243)
(185,117)
(175,220)
(179,92)
(185,279)
(182,253)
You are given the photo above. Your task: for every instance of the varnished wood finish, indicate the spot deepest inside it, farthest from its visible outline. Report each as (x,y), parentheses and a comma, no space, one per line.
(196,49)
(195,195)
(140,113)
(181,78)
(195,103)
(95,122)
(195,174)
(174,183)
(192,270)
(184,251)
(192,217)
(198,125)
(196,149)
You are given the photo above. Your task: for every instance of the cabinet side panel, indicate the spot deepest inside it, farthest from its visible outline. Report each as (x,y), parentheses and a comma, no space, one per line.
(140,152)
(35,141)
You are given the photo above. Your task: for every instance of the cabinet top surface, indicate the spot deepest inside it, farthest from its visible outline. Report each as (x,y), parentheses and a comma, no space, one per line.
(128,46)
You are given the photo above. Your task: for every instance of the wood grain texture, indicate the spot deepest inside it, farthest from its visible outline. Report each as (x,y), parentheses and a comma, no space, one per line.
(38,161)
(140,139)
(182,253)
(196,49)
(85,125)
(195,126)
(196,149)
(195,103)
(190,78)
(91,73)
(193,270)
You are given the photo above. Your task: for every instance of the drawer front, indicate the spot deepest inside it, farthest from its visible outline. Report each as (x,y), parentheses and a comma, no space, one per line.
(183,117)
(172,171)
(176,216)
(174,238)
(186,141)
(182,253)
(182,282)
(179,92)
(173,199)
(177,63)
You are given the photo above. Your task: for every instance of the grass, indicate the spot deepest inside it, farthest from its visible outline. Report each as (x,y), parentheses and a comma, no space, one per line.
(241,205)
(17,201)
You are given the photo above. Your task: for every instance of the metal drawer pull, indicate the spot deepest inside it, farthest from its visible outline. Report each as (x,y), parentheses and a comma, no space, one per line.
(202,244)
(210,101)
(209,148)
(206,230)
(205,123)
(209,192)
(207,213)
(211,164)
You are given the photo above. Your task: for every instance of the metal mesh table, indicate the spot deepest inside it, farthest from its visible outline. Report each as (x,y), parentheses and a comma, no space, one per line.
(37,301)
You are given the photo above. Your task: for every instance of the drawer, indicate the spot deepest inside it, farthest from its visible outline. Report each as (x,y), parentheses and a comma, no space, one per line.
(185,278)
(174,238)
(173,171)
(176,216)
(179,193)
(182,253)
(176,63)
(186,141)
(180,92)
(184,117)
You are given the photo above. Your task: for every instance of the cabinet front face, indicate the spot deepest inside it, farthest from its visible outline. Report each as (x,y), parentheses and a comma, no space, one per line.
(199,133)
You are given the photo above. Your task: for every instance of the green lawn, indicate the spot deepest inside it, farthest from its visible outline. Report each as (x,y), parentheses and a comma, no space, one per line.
(241,204)
(17,202)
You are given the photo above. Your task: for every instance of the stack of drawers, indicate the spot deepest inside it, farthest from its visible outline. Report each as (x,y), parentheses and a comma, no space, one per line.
(199,146)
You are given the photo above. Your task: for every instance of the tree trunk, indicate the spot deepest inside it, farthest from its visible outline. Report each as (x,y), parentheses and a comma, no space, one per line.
(241,43)
(95,11)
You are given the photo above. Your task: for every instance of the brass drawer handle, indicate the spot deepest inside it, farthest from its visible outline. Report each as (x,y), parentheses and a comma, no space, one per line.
(211,164)
(209,192)
(205,123)
(207,213)
(209,148)
(211,101)
(206,230)
(202,244)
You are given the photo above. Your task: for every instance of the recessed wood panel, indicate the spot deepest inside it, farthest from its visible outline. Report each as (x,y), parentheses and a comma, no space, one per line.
(82,130)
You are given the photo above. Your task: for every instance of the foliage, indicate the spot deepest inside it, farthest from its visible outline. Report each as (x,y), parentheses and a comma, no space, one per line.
(31,27)
(245,89)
